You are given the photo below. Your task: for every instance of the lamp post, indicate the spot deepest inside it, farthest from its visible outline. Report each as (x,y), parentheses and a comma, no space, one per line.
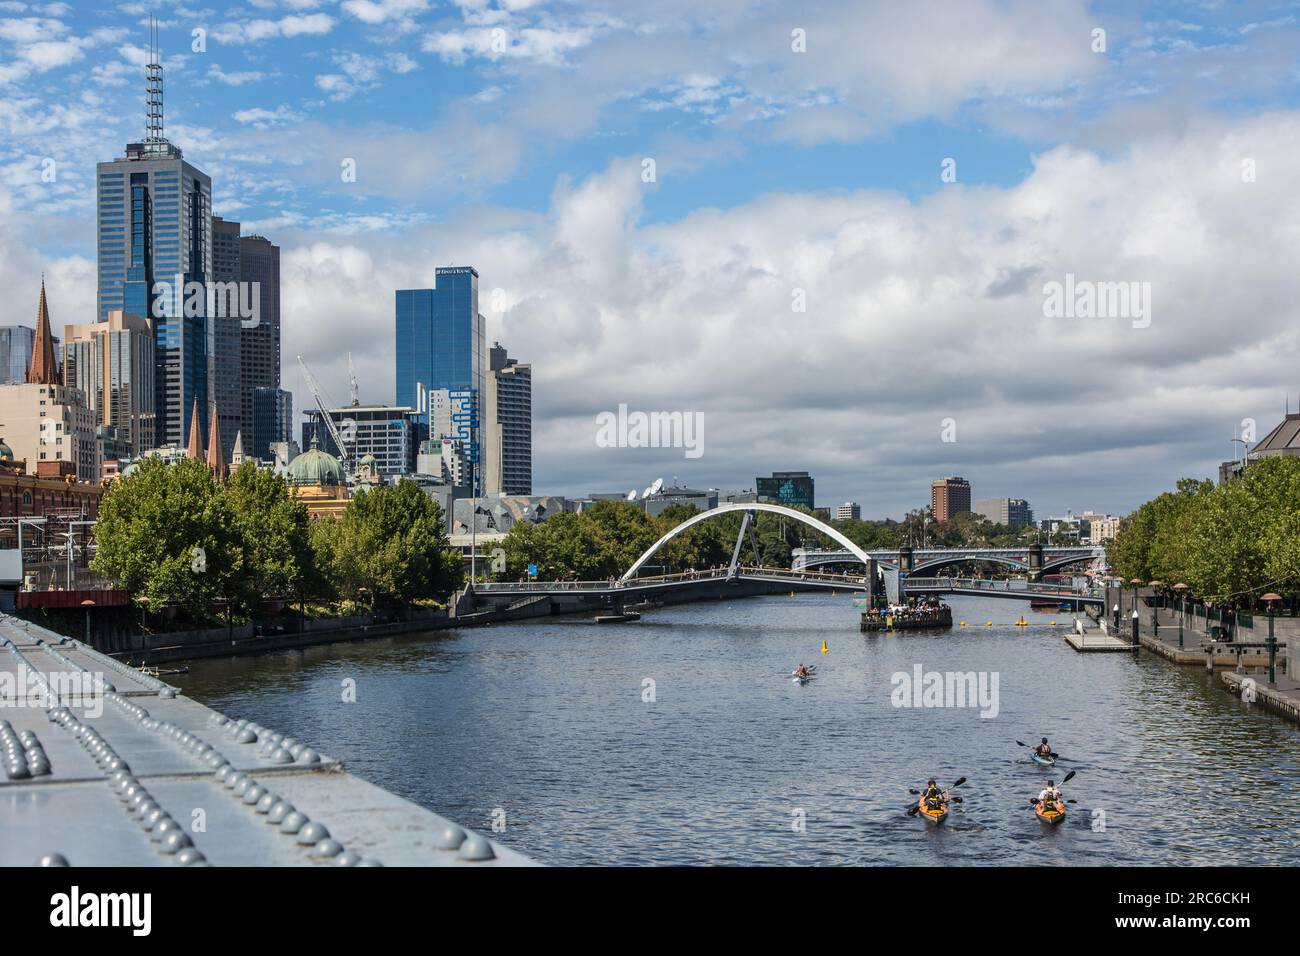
(1155,609)
(1181,589)
(1135,627)
(88,604)
(1271,599)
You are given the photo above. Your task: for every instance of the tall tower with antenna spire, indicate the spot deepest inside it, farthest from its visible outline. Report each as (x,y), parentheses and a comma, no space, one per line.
(154,224)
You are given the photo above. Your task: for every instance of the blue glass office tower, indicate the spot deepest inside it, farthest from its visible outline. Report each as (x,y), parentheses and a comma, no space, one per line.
(155,226)
(440,337)
(441,345)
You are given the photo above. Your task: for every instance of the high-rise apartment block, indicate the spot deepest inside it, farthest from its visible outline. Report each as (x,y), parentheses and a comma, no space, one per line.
(949,497)
(508,425)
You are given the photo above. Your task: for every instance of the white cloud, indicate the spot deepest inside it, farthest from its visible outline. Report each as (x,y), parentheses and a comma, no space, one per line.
(382,11)
(257,31)
(917,311)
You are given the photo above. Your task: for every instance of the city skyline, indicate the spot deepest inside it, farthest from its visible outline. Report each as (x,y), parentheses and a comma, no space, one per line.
(677,293)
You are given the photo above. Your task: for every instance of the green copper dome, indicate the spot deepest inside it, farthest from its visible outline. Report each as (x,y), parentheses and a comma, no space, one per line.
(6,453)
(316,467)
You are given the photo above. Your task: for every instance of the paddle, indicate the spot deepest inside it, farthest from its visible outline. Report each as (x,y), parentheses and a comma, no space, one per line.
(1050,754)
(915,808)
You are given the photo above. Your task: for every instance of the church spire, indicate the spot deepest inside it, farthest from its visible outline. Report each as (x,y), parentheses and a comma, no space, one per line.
(216,458)
(44,368)
(195,447)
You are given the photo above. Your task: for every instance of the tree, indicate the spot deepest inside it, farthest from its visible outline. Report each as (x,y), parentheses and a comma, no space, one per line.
(273,530)
(166,533)
(391,543)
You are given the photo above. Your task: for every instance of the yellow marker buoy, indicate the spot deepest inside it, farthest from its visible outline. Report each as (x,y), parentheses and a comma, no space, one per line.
(791,594)
(963,624)
(1053,624)
(825,649)
(988,623)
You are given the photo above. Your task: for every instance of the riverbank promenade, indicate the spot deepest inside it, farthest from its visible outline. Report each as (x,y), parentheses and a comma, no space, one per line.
(104,765)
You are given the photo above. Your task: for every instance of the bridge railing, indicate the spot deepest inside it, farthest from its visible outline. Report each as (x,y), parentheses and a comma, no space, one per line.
(675,577)
(986,584)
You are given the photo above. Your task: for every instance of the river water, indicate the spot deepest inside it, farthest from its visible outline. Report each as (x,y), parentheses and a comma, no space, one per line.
(733,763)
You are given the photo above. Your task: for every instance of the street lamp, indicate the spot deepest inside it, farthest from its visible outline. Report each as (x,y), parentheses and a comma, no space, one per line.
(1271,600)
(1181,589)
(1155,609)
(88,604)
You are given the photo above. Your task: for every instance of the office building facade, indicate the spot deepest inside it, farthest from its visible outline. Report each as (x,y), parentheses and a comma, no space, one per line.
(225,361)
(112,364)
(1013,513)
(15,353)
(259,343)
(390,434)
(849,511)
(508,426)
(949,497)
(786,488)
(272,423)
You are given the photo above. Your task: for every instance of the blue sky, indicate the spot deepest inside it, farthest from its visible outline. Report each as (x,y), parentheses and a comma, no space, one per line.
(511,136)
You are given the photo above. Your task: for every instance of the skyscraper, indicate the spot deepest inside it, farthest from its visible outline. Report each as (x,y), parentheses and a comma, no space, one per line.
(272,422)
(259,344)
(508,425)
(154,217)
(224,338)
(440,345)
(949,497)
(112,362)
(15,353)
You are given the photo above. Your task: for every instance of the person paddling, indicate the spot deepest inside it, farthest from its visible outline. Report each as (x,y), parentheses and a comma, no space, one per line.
(933,796)
(801,671)
(1043,749)
(1050,796)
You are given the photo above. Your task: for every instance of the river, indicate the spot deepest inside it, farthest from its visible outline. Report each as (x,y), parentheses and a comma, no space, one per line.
(733,763)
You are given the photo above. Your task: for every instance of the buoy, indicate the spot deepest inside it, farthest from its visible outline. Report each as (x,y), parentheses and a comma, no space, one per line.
(791,594)
(1053,624)
(963,624)
(825,649)
(988,623)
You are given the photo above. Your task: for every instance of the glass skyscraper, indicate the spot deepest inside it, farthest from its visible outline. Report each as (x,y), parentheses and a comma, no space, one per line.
(15,353)
(154,221)
(440,345)
(440,337)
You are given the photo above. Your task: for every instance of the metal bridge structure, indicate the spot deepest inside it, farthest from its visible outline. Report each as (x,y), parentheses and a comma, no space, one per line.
(1034,559)
(895,572)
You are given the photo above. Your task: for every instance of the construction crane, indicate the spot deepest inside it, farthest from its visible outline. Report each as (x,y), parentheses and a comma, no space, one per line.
(314,385)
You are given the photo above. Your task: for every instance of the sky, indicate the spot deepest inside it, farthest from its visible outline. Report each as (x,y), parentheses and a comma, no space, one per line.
(828,231)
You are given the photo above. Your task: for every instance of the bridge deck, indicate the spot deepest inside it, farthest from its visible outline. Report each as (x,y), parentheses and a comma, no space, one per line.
(171,748)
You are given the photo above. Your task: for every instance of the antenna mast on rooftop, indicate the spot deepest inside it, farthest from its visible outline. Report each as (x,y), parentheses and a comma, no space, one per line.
(153,71)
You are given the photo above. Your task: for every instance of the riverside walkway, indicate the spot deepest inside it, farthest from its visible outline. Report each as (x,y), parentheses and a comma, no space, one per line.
(104,765)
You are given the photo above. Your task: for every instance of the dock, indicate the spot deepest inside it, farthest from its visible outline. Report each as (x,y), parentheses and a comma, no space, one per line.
(104,765)
(1097,641)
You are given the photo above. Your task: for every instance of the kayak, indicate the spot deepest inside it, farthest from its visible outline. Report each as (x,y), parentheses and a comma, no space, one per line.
(800,680)
(1051,817)
(933,816)
(1043,761)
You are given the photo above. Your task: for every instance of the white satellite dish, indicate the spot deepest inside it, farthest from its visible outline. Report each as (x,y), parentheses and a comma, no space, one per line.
(654,489)
(631,495)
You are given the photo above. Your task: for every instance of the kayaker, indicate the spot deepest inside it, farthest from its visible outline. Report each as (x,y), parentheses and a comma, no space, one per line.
(933,796)
(801,671)
(1049,796)
(1043,749)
